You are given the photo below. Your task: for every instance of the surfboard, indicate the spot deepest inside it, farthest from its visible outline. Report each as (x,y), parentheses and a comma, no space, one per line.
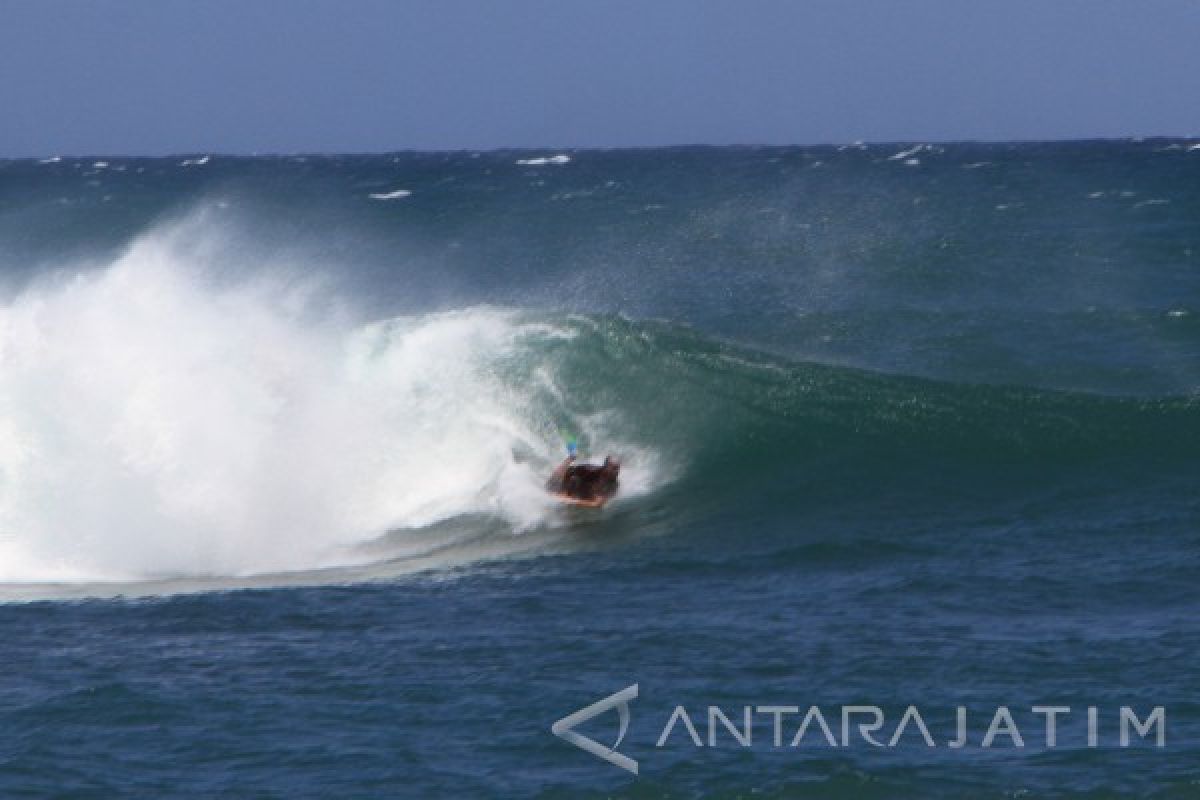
(575,501)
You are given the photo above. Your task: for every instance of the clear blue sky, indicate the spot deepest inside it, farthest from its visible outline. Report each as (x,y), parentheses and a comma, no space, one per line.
(167,76)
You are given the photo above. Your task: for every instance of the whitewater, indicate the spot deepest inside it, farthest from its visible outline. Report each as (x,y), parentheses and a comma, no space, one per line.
(158,421)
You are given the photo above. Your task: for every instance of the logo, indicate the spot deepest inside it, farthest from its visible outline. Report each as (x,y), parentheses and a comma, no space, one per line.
(565,728)
(789,726)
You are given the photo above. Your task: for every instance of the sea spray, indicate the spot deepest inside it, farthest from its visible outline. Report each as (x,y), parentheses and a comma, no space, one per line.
(154,423)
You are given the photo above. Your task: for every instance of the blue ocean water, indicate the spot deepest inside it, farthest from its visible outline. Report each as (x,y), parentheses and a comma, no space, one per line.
(908,425)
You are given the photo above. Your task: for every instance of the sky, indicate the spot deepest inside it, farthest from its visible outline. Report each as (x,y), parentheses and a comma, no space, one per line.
(150,77)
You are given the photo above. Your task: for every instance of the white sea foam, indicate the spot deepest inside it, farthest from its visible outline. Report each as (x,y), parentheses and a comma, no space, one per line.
(195,162)
(157,424)
(544,160)
(903,154)
(51,160)
(395,194)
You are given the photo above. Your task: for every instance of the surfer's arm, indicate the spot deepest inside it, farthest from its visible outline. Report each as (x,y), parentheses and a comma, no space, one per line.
(555,480)
(594,502)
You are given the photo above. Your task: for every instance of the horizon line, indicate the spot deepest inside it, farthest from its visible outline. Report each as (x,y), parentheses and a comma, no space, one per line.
(601,148)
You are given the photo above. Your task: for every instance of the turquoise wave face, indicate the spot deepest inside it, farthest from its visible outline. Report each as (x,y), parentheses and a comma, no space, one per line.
(716,403)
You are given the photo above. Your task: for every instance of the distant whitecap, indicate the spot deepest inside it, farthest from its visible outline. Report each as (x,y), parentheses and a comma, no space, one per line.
(544,160)
(395,194)
(904,154)
(195,162)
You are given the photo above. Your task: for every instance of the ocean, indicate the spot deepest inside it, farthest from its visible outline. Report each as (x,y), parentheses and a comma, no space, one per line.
(909,438)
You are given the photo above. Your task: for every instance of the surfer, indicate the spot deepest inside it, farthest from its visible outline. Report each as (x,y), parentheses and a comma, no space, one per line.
(585,484)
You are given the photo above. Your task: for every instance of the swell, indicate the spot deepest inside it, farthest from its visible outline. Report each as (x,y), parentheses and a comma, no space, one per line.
(155,426)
